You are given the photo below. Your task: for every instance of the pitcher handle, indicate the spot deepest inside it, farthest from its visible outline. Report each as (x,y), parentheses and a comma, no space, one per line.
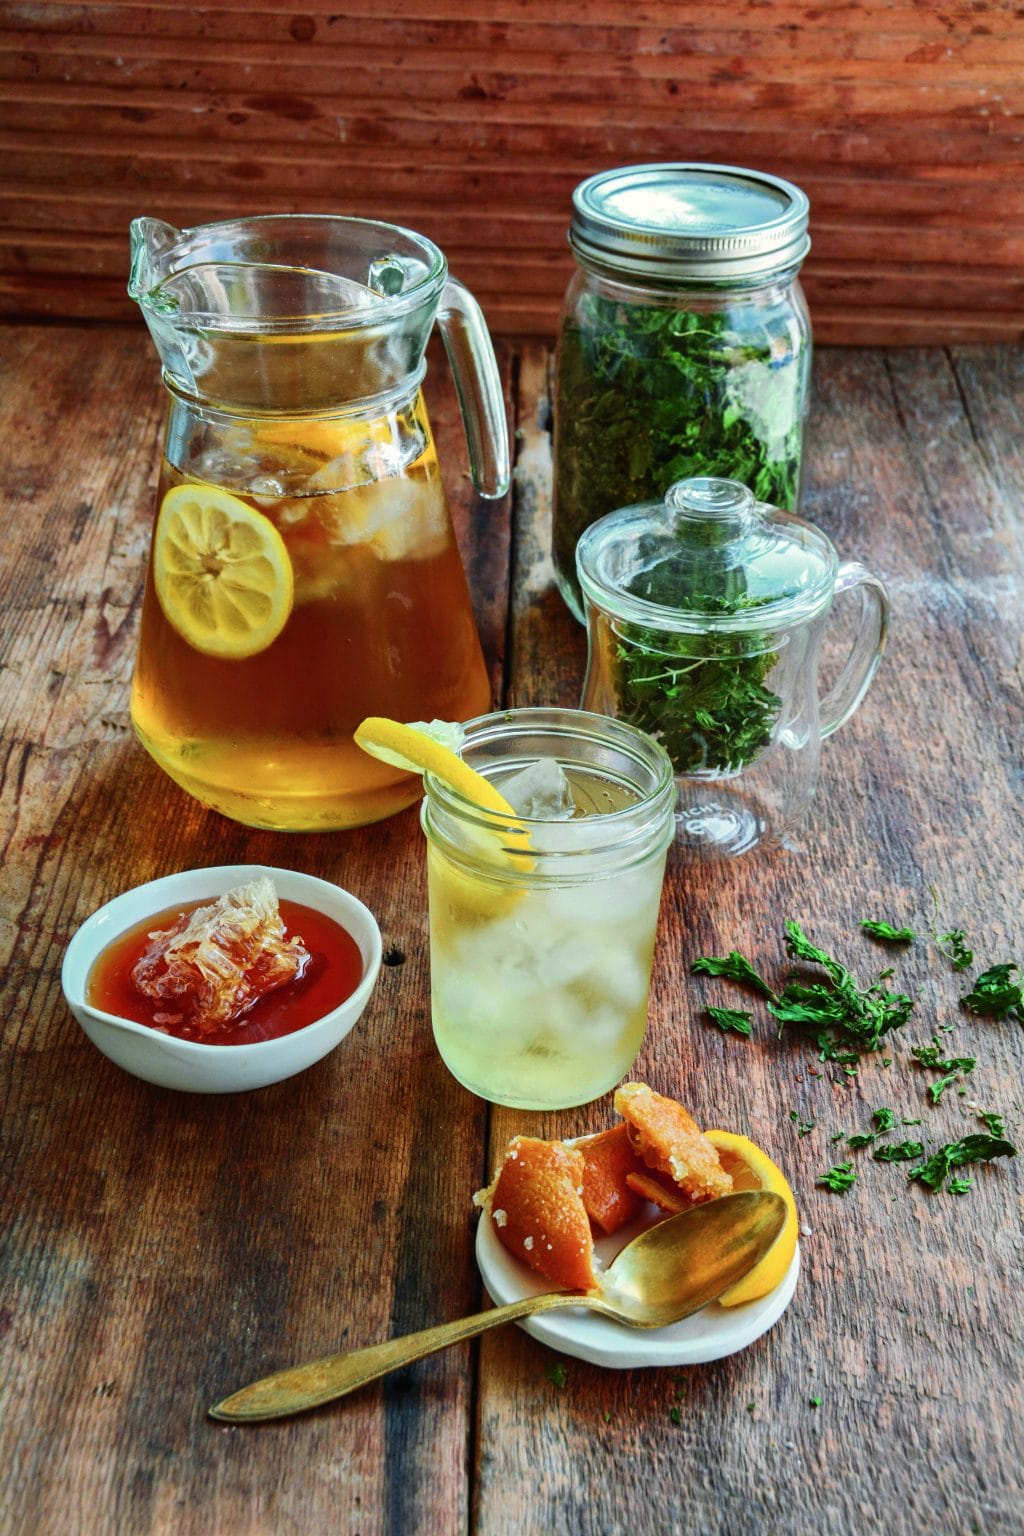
(866,652)
(478,383)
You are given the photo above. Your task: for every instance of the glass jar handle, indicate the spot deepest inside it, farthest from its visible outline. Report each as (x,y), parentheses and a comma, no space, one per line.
(855,679)
(478,383)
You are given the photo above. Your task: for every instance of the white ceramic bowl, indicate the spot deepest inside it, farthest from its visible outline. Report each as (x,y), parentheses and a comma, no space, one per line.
(188,1065)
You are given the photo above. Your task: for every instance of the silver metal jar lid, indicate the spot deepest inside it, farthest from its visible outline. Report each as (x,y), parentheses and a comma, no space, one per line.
(682,221)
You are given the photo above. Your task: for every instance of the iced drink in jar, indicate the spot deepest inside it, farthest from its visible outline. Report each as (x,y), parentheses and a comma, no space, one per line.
(356,604)
(542,926)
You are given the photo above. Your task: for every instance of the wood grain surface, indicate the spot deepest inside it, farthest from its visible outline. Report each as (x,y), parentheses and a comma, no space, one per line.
(900,119)
(160,1249)
(908,1323)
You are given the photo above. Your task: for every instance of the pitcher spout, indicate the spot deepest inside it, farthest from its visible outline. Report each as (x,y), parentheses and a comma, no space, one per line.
(151,242)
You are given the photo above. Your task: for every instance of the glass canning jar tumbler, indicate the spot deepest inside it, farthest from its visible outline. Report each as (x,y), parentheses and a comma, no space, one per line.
(685,344)
(542,931)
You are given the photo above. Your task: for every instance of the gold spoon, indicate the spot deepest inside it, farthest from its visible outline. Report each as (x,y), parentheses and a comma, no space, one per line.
(673,1269)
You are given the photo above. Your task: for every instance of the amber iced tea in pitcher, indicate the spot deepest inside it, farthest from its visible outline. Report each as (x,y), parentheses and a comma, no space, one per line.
(304,572)
(304,575)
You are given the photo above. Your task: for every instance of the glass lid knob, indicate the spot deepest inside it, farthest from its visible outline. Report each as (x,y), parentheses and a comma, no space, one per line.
(727,506)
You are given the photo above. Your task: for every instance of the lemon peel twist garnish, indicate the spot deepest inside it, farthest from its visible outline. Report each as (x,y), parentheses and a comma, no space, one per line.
(422,748)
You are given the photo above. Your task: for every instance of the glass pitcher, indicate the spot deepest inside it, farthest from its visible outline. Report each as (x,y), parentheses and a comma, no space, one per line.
(304,571)
(705,617)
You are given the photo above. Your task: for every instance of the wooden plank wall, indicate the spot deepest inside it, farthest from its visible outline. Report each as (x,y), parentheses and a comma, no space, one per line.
(472,120)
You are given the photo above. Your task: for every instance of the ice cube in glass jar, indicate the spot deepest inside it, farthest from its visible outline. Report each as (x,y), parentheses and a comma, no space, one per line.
(541,791)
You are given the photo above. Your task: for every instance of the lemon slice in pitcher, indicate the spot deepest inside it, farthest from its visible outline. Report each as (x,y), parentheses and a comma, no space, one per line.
(221,571)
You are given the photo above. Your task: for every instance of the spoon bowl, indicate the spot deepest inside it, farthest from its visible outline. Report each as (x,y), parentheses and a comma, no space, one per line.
(680,1265)
(664,1275)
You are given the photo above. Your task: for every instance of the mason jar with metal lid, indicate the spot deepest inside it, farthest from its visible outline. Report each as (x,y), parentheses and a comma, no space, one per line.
(685,343)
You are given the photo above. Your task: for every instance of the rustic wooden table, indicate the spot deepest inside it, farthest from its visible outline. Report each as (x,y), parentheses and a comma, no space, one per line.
(161,1249)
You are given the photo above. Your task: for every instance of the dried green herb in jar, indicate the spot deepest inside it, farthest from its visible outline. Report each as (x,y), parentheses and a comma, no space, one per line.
(685,343)
(649,395)
(703,697)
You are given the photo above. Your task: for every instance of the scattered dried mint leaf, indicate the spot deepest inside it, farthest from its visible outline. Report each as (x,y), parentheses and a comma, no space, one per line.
(970,1149)
(931,1056)
(951,1066)
(996,995)
(556,1373)
(800,947)
(814,1402)
(735,1019)
(954,946)
(734,968)
(675,1415)
(844,1019)
(899,1152)
(959,1186)
(885,1120)
(993,1123)
(802,1126)
(887,933)
(839,1178)
(842,1058)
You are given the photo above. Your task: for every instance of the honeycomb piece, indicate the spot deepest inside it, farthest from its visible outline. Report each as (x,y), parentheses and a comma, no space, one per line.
(538,1214)
(214,963)
(670,1141)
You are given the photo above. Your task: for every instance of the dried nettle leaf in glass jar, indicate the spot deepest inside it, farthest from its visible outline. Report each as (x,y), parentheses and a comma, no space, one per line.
(705,615)
(685,343)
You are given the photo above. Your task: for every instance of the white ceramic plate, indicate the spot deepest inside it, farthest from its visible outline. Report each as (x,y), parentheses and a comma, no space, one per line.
(707,1335)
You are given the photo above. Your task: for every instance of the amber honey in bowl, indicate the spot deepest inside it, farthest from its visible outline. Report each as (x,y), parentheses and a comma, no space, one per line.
(334,972)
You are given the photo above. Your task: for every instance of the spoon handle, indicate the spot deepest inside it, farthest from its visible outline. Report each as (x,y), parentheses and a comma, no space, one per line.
(321,1381)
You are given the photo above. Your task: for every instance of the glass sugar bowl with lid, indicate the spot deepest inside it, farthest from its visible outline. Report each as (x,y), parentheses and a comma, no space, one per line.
(705,616)
(685,343)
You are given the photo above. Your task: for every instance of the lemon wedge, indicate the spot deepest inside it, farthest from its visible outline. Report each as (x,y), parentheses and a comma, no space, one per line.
(457,897)
(752,1168)
(425,748)
(221,571)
